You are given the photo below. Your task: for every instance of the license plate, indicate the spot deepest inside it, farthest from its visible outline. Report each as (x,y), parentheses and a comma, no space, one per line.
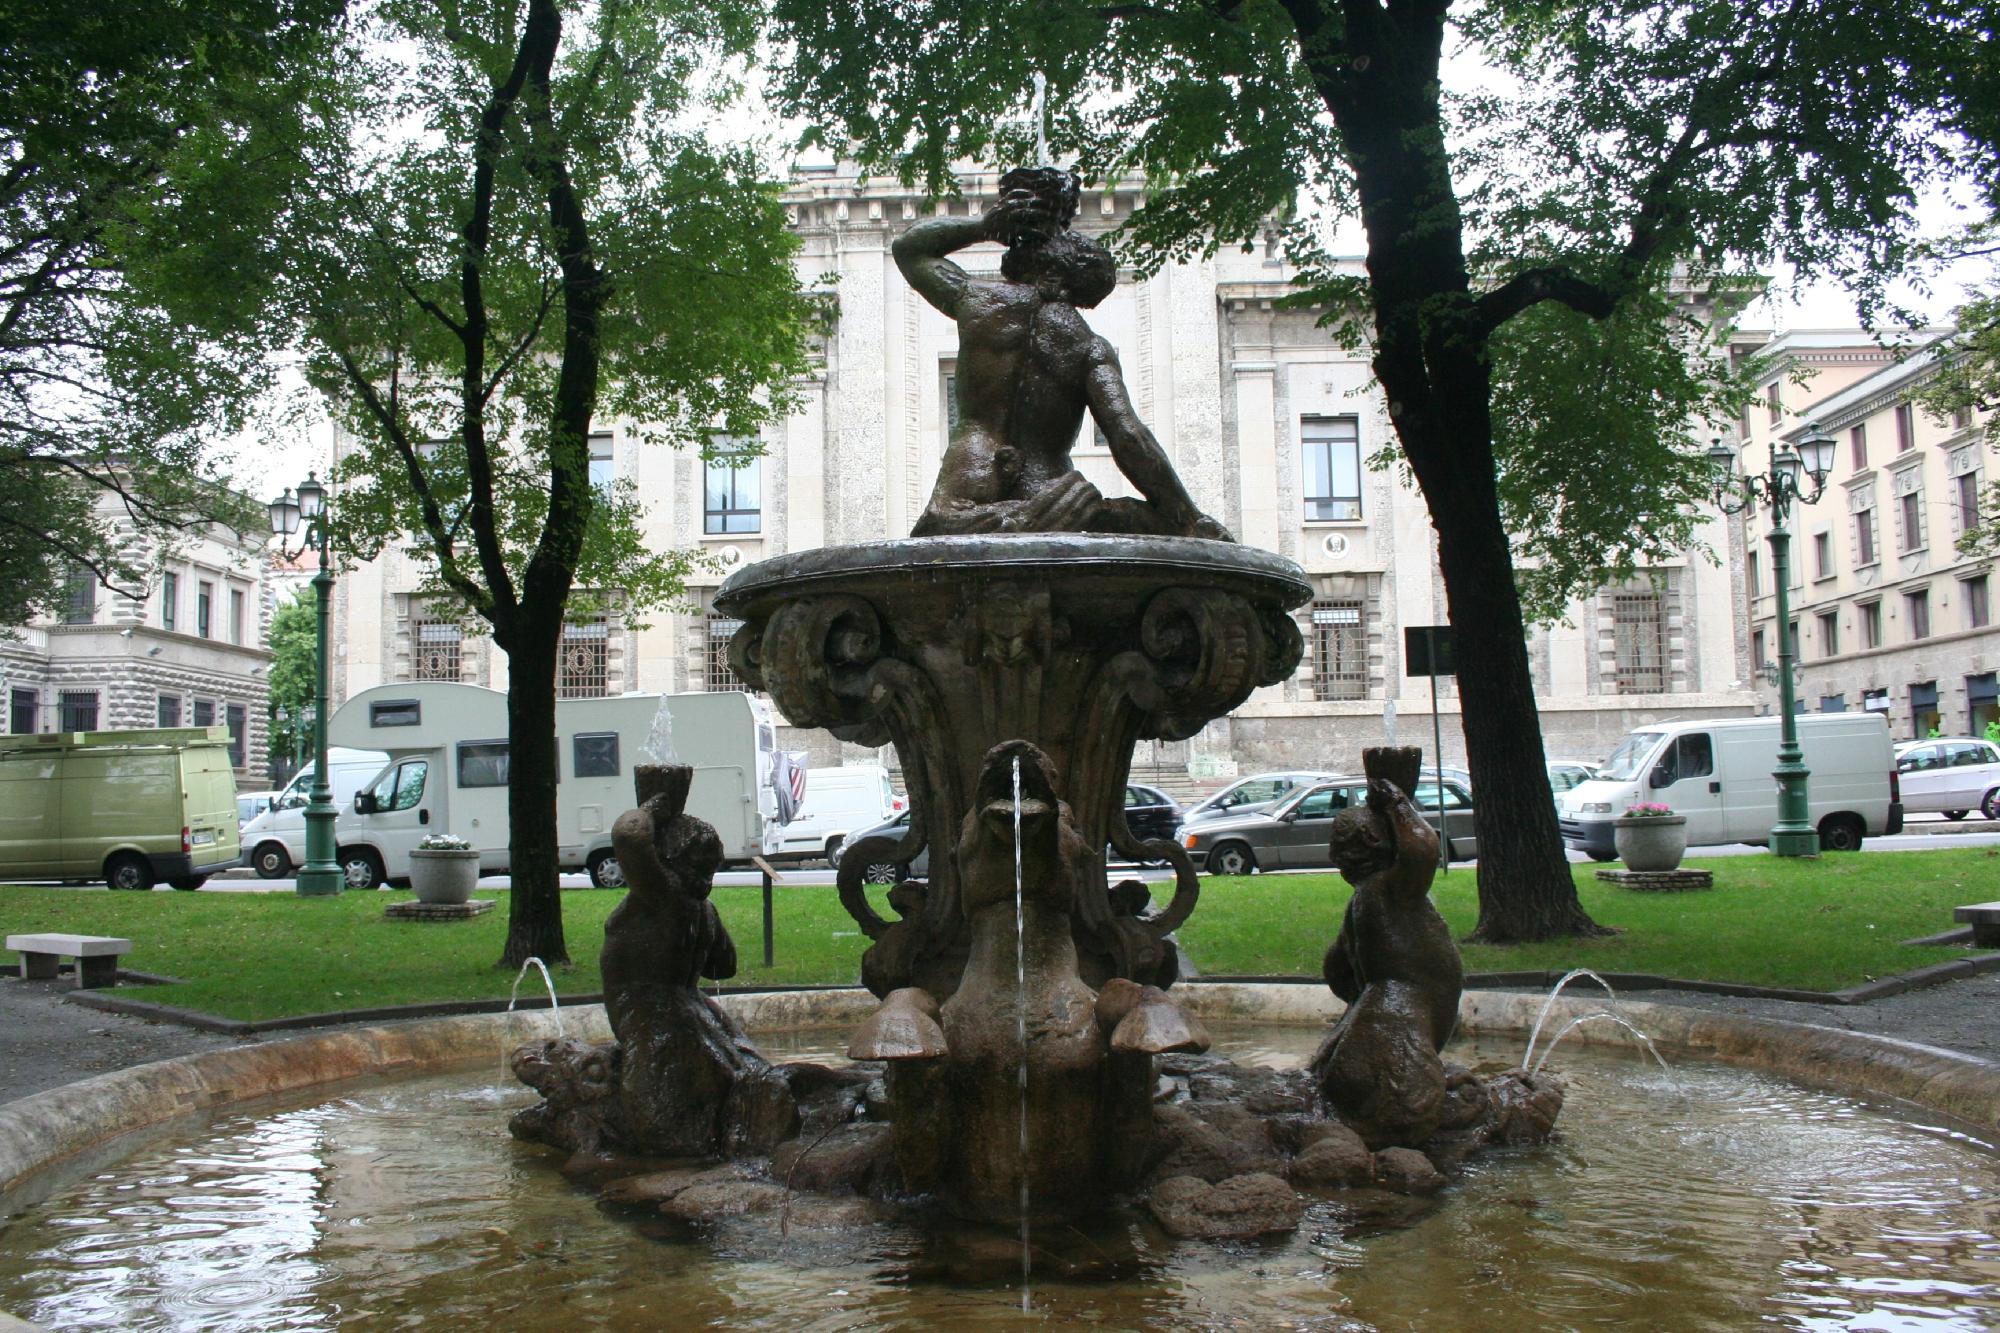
(202,837)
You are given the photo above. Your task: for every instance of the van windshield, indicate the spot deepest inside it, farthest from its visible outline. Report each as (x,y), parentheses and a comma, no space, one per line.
(1630,756)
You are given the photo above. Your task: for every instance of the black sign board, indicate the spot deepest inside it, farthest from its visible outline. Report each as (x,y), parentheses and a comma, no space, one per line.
(1427,651)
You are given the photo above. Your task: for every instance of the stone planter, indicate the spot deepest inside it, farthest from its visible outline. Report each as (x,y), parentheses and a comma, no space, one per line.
(443,876)
(1653,843)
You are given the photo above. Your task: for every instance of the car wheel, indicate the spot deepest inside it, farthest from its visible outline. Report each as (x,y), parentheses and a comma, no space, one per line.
(271,860)
(128,870)
(883,872)
(188,883)
(361,868)
(1955,815)
(605,871)
(1840,833)
(1231,858)
(833,846)
(1990,807)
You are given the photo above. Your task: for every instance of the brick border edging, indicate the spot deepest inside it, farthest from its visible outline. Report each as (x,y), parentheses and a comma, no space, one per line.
(1932,975)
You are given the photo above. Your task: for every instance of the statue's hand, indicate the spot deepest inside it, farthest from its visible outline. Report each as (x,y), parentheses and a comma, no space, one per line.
(1204,526)
(1018,213)
(1064,505)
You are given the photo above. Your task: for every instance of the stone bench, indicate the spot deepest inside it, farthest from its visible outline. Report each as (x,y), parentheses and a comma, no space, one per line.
(1984,918)
(96,956)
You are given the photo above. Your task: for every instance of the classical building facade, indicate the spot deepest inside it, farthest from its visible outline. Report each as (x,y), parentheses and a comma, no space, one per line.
(185,649)
(1269,423)
(1885,613)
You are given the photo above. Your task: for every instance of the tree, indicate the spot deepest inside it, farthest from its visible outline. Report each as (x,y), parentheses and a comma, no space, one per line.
(120,138)
(1525,241)
(511,239)
(294,643)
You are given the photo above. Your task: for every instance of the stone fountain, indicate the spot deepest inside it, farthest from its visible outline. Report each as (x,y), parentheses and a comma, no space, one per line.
(1014,649)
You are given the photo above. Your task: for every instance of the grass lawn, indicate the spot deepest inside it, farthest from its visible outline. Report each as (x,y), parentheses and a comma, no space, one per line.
(1811,925)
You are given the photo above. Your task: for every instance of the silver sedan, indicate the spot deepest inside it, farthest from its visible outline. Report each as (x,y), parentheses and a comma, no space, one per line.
(1294,833)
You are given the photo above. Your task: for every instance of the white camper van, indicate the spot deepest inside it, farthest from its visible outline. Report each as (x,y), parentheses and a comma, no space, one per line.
(449,760)
(838,801)
(275,841)
(1718,774)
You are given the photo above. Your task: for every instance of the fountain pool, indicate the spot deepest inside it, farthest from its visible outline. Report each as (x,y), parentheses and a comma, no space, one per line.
(1713,1199)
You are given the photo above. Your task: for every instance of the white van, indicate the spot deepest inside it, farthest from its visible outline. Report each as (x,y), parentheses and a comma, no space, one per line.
(1718,774)
(449,762)
(838,802)
(275,841)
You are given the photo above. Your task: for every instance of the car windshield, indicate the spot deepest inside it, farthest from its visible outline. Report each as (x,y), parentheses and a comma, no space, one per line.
(1630,756)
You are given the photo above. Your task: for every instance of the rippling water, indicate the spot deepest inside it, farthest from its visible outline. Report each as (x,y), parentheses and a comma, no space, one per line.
(1709,1199)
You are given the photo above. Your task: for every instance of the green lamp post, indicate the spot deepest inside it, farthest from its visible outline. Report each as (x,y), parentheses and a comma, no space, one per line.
(1793,834)
(320,875)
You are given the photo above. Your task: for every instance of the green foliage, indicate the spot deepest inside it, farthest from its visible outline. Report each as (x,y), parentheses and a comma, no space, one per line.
(294,650)
(124,351)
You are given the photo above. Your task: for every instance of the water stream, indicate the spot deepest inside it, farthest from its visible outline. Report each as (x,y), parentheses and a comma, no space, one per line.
(1535,1032)
(1602,1016)
(514,996)
(1021,1031)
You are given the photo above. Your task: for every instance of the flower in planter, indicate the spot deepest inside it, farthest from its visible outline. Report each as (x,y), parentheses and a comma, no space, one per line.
(1648,810)
(444,842)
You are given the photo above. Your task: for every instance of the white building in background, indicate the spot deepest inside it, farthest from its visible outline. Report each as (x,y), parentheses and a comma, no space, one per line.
(189,649)
(1269,424)
(1886,615)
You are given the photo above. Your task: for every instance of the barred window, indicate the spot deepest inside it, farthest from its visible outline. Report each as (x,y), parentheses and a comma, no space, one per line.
(436,652)
(721,678)
(584,669)
(1639,641)
(1340,651)
(77,709)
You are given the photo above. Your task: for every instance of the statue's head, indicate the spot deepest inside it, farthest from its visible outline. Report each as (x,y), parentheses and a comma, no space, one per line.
(692,852)
(1083,271)
(1361,844)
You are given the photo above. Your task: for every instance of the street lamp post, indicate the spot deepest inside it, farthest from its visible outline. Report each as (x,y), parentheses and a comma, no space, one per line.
(1793,834)
(320,875)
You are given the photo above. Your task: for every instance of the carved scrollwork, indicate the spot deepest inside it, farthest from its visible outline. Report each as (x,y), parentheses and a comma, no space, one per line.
(1203,651)
(813,657)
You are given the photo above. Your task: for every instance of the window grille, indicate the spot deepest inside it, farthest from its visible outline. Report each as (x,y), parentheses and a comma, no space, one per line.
(1340,651)
(584,669)
(721,678)
(23,707)
(436,651)
(204,712)
(77,709)
(167,712)
(1639,642)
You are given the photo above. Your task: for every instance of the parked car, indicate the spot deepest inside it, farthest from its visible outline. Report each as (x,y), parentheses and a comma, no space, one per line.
(1950,775)
(1149,812)
(1259,791)
(250,804)
(1294,833)
(1567,773)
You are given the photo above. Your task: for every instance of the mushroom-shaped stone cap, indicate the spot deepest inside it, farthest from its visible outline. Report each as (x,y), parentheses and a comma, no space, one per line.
(1119,997)
(904,1028)
(1157,1025)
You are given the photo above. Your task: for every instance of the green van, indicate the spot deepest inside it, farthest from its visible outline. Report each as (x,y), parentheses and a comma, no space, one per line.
(129,807)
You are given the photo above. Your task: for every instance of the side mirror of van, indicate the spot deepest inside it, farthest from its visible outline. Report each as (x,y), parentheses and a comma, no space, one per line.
(1660,778)
(364,803)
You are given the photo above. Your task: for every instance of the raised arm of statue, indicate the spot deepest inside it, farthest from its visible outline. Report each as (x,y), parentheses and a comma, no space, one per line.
(1415,840)
(1134,448)
(920,254)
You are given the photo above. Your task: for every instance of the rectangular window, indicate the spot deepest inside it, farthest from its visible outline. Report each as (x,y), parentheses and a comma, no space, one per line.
(77,710)
(1796,654)
(584,669)
(167,710)
(395,713)
(1864,538)
(236,717)
(1340,651)
(1829,634)
(1871,624)
(1773,409)
(204,713)
(1961,417)
(436,650)
(1906,428)
(1822,555)
(1968,500)
(170,599)
(1857,447)
(204,598)
(1875,701)
(482,763)
(1753,576)
(79,596)
(1917,607)
(1758,657)
(603,469)
(1912,511)
(22,706)
(1331,468)
(720,677)
(594,754)
(1978,610)
(236,607)
(1639,641)
(1833,703)
(730,494)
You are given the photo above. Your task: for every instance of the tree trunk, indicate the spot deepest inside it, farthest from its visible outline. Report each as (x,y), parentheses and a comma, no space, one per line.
(534,912)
